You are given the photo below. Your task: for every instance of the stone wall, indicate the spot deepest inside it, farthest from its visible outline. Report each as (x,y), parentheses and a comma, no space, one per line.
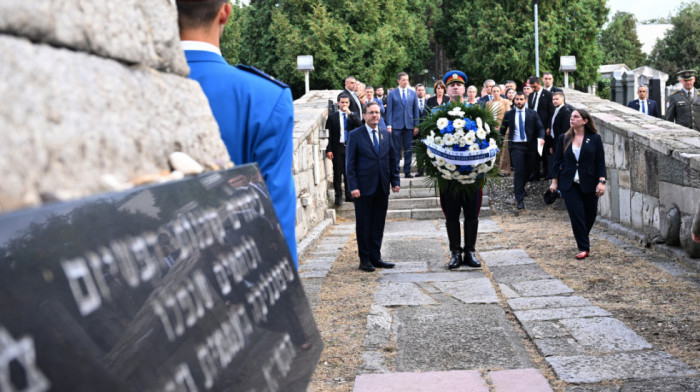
(653,171)
(94,99)
(313,173)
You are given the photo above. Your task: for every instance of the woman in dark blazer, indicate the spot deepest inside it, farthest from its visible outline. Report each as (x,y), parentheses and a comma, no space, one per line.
(579,173)
(439,98)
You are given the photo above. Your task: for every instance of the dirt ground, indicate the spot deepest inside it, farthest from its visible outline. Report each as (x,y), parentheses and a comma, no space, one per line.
(663,309)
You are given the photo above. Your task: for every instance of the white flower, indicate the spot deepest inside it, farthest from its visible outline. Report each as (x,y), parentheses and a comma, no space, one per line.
(429,139)
(438,140)
(479,123)
(447,176)
(492,142)
(449,139)
(470,137)
(430,154)
(481,134)
(459,123)
(450,166)
(463,141)
(474,147)
(442,122)
(456,112)
(488,129)
(459,133)
(439,161)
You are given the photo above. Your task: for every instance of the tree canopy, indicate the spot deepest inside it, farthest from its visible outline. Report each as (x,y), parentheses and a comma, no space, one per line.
(495,39)
(680,48)
(370,39)
(619,42)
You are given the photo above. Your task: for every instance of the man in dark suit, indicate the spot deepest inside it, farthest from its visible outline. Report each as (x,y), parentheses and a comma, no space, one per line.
(526,133)
(560,124)
(402,118)
(355,105)
(339,125)
(644,105)
(488,84)
(540,100)
(372,168)
(548,83)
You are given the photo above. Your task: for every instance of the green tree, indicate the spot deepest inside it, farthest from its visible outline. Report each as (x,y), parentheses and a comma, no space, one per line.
(680,48)
(495,39)
(619,42)
(370,39)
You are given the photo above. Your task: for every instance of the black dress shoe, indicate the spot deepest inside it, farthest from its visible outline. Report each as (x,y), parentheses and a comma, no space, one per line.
(419,174)
(408,175)
(455,260)
(367,267)
(339,202)
(521,205)
(382,264)
(470,260)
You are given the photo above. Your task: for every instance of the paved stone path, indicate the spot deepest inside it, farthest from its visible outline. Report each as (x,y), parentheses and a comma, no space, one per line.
(451,332)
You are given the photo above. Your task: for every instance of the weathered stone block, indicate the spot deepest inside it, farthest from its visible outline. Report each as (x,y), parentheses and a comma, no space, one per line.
(636,210)
(620,151)
(613,192)
(625,205)
(671,170)
(82,118)
(650,212)
(686,198)
(624,179)
(609,150)
(131,31)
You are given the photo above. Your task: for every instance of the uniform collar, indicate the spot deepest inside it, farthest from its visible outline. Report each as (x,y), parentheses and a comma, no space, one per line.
(199,45)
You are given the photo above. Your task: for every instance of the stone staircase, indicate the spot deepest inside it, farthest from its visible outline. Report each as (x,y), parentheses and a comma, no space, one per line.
(416,200)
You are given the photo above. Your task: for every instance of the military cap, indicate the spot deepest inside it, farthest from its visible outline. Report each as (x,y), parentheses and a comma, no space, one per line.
(686,75)
(454,77)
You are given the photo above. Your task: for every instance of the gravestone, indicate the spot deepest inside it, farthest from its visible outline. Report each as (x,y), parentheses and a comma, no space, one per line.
(184,286)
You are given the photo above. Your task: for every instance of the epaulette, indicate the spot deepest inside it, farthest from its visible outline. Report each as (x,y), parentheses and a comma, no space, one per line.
(255,71)
(676,92)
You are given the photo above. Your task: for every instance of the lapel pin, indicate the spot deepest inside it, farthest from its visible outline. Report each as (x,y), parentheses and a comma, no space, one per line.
(587,140)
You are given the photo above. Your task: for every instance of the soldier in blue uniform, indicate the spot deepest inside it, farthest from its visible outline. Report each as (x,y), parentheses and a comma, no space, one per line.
(254,111)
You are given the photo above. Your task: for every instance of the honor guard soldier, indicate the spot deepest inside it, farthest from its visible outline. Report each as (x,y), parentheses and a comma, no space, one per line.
(453,203)
(684,105)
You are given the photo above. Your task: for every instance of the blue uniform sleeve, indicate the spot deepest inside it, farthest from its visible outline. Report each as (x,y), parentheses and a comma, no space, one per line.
(273,151)
(350,161)
(389,114)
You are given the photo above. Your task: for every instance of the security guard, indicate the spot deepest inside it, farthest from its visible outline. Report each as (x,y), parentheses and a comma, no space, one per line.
(254,111)
(684,105)
(452,204)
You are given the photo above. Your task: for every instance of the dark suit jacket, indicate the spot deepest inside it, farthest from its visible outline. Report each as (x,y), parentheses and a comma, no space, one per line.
(561,122)
(652,108)
(366,170)
(333,127)
(545,107)
(400,116)
(533,127)
(555,89)
(433,103)
(590,165)
(354,103)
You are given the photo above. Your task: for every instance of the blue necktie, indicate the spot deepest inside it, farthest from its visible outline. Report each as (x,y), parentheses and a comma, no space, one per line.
(644,107)
(403,96)
(376,142)
(522,126)
(345,126)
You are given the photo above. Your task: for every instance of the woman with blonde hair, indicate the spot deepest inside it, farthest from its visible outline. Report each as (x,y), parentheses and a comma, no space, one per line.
(499,106)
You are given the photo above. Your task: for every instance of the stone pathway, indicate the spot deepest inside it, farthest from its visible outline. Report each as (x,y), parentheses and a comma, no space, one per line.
(436,330)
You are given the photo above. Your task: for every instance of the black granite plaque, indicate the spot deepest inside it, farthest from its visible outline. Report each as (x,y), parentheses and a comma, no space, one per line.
(185,286)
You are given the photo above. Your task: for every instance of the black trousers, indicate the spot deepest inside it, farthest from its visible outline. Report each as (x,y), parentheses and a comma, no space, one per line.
(452,205)
(370,216)
(583,209)
(524,161)
(339,176)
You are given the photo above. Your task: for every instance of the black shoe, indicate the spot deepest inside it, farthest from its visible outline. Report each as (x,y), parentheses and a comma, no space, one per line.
(455,260)
(470,260)
(339,202)
(382,264)
(521,205)
(366,267)
(419,174)
(408,175)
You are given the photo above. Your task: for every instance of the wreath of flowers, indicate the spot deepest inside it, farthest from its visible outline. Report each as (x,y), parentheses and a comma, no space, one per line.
(458,145)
